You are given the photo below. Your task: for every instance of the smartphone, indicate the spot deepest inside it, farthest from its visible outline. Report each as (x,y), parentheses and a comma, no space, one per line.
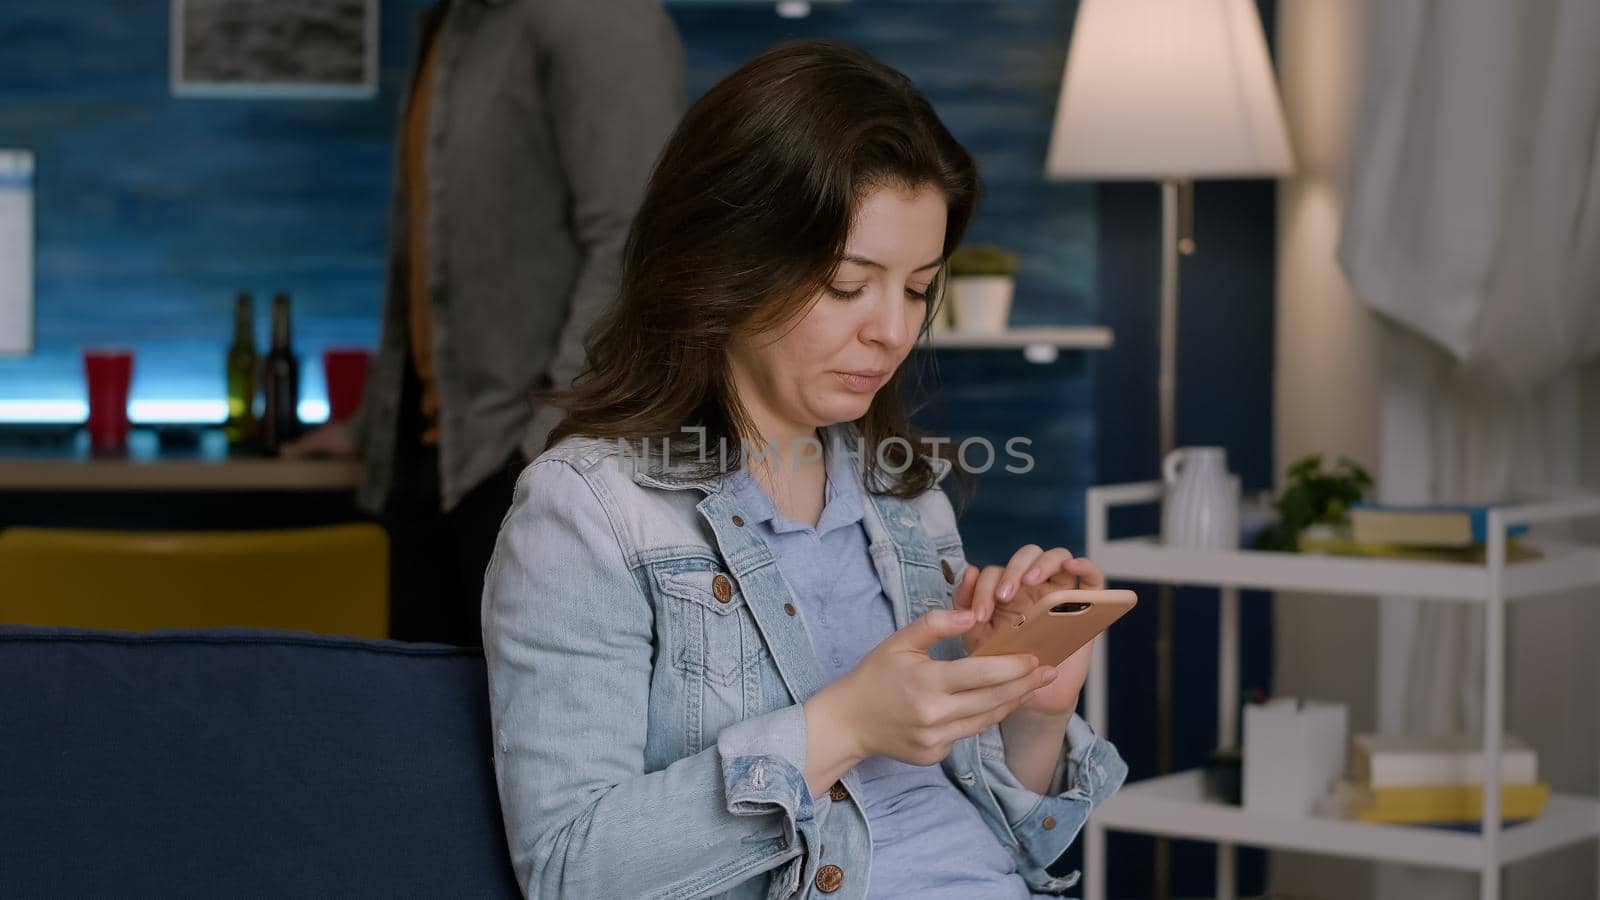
(1052,621)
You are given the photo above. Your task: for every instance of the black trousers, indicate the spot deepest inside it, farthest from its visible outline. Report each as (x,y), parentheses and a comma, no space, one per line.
(437,559)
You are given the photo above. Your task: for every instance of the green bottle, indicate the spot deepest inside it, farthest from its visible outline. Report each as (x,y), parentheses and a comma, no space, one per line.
(243,365)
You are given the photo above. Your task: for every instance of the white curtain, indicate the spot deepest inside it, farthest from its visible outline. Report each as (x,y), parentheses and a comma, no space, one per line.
(1473,215)
(1472,224)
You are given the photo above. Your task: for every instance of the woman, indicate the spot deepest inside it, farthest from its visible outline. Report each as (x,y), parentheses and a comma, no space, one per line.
(727,616)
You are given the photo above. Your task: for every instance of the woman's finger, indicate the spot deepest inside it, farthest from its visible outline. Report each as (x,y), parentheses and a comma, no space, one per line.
(1088,574)
(1048,563)
(981,700)
(989,706)
(1012,579)
(983,596)
(975,672)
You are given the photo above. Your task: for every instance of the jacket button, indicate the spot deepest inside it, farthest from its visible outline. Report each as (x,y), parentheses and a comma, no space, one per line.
(789,608)
(1048,823)
(949,573)
(722,588)
(739,521)
(837,793)
(829,878)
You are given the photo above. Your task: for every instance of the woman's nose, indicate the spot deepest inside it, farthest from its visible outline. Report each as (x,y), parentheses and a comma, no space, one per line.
(888,323)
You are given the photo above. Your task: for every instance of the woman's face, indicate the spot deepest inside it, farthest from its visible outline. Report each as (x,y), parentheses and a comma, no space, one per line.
(827,367)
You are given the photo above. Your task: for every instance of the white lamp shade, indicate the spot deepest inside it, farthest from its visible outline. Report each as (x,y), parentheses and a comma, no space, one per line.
(1168,89)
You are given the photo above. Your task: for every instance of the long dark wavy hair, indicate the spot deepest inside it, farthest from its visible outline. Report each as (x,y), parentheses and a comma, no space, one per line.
(743,224)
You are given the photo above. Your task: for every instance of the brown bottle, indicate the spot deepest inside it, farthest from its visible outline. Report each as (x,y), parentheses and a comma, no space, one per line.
(280,380)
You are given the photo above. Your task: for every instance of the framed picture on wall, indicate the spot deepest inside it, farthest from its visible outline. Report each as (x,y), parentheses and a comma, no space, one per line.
(291,49)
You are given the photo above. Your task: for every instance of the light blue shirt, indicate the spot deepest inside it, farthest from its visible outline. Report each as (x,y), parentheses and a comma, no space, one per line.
(928,840)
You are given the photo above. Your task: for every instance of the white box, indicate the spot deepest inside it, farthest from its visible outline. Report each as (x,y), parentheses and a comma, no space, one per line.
(1388,760)
(1293,752)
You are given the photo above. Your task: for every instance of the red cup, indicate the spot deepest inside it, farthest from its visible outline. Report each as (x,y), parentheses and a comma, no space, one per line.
(108,373)
(344,369)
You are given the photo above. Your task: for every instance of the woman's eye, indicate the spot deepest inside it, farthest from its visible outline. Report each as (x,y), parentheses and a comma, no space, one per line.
(843,294)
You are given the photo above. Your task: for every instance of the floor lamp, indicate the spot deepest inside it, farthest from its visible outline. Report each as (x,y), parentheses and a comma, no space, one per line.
(1170,91)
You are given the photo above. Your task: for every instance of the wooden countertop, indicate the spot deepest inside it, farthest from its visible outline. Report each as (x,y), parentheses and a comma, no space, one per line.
(45,460)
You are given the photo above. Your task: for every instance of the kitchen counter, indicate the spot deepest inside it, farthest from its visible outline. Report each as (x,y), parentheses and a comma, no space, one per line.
(55,459)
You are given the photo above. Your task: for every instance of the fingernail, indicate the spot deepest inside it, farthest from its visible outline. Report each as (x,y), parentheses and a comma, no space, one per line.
(964,616)
(1005,591)
(1050,675)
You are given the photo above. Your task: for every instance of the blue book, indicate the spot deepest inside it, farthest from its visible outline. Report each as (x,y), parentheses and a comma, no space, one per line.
(1422,526)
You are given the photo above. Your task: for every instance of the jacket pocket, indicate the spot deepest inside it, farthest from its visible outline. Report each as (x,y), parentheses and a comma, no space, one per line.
(716,637)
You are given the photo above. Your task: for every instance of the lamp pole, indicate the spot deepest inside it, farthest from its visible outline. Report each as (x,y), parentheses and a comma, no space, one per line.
(1177,237)
(1168,90)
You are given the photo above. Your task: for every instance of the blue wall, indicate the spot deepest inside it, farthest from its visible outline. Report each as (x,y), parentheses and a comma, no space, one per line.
(152,211)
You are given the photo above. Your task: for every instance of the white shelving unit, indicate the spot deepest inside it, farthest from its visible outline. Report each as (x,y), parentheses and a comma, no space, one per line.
(1065,337)
(1039,344)
(1177,805)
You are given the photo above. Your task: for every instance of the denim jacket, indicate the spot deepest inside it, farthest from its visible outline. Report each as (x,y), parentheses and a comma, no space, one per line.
(646,670)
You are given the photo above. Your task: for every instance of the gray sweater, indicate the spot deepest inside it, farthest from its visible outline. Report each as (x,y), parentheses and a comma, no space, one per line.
(546,119)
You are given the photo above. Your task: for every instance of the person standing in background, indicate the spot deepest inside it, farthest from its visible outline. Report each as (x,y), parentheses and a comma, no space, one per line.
(529,131)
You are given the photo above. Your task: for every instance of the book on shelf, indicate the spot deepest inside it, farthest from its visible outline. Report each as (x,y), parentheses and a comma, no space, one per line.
(1387,760)
(1470,827)
(1438,805)
(1340,543)
(1423,526)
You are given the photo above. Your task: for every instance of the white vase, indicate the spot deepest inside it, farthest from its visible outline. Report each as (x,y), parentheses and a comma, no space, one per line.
(1201,509)
(981,303)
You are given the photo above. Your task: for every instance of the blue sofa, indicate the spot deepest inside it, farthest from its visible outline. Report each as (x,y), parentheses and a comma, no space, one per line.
(225,763)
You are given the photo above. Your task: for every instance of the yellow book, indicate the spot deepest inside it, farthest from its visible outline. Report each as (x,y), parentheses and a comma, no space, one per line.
(1477,553)
(1429,805)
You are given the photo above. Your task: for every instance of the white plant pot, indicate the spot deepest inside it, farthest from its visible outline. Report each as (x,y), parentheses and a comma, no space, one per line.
(981,303)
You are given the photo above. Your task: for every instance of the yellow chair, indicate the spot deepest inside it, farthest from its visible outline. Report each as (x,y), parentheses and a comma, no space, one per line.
(331,580)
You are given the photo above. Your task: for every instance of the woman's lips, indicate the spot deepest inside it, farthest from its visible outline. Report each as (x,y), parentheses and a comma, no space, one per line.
(863,382)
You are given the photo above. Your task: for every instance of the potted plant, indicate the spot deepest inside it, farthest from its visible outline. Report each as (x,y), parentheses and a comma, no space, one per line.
(1314,499)
(981,286)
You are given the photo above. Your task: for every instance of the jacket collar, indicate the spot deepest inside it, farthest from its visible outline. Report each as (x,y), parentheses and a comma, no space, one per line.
(658,467)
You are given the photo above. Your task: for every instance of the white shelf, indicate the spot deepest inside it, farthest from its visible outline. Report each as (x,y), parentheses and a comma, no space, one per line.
(1177,806)
(1563,568)
(1144,559)
(1075,337)
(1174,805)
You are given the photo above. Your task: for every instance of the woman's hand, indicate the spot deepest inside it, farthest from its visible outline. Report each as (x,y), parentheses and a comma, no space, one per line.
(899,702)
(981,592)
